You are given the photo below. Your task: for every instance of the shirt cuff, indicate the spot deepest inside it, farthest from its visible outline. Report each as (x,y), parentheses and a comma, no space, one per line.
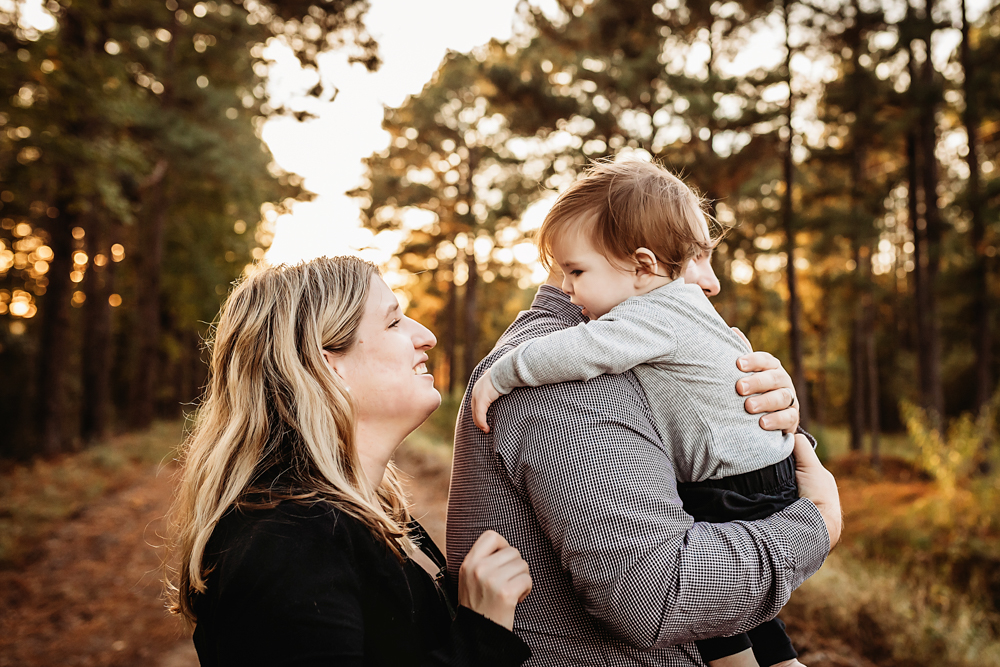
(809,436)
(502,376)
(799,525)
(495,644)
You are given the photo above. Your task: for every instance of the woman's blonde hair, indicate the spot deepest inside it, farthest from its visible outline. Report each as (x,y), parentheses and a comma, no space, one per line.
(629,205)
(276,424)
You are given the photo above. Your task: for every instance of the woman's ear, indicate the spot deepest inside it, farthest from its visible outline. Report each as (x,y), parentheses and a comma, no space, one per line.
(334,362)
(647,267)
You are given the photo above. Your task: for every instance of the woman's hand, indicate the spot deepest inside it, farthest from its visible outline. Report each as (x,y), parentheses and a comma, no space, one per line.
(818,485)
(493,579)
(483,395)
(773,388)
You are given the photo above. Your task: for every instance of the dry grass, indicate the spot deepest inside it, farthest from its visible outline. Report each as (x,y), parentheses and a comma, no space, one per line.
(37,495)
(893,619)
(82,581)
(916,579)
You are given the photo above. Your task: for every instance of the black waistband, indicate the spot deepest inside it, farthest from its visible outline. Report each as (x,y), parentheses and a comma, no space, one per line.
(756,481)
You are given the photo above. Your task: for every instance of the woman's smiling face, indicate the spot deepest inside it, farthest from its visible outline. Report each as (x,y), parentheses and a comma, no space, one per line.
(386,368)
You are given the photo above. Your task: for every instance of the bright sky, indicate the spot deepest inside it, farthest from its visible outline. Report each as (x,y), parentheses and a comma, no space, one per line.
(413,39)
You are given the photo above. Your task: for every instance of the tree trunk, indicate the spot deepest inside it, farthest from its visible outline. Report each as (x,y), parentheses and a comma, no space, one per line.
(471,315)
(858,366)
(451,331)
(787,214)
(149,264)
(871,361)
(860,230)
(981,304)
(922,277)
(821,394)
(55,335)
(919,229)
(98,286)
(927,142)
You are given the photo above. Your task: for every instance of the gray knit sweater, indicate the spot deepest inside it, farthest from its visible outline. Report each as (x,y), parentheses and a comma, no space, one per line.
(684,356)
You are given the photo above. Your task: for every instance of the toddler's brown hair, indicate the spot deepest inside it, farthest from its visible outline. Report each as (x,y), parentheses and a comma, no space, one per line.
(629,205)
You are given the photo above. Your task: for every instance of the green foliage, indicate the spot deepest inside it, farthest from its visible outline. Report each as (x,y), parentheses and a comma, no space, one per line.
(916,578)
(925,553)
(954,457)
(666,80)
(134,175)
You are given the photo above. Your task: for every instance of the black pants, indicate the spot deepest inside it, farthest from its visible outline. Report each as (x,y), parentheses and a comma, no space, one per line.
(753,495)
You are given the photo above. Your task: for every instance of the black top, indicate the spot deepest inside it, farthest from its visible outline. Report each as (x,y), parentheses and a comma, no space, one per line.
(309,585)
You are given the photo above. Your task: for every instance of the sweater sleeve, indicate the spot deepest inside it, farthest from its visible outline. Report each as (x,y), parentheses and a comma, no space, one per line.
(630,334)
(477,641)
(289,594)
(296,595)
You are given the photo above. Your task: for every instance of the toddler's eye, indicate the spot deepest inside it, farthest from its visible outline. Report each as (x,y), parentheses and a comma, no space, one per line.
(576,272)
(395,323)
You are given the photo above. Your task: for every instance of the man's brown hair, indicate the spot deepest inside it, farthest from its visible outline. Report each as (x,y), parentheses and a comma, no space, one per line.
(629,205)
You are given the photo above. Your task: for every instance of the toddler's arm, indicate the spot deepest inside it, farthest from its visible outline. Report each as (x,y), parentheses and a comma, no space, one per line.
(483,395)
(615,343)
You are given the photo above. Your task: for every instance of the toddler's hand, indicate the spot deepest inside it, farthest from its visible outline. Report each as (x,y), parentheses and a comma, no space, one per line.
(483,395)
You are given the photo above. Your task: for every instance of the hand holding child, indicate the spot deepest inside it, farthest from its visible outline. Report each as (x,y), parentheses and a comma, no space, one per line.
(483,395)
(818,485)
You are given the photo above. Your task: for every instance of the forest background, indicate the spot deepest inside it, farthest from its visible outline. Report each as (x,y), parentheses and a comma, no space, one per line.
(856,178)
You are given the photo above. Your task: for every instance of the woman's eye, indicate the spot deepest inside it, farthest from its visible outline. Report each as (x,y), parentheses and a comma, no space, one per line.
(576,272)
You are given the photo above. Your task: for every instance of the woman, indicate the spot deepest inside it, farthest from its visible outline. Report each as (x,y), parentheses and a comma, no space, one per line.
(291,531)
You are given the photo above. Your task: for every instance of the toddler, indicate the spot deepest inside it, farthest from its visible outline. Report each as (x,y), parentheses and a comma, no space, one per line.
(622,235)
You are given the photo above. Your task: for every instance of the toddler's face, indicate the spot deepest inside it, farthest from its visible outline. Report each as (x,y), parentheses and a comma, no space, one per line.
(590,280)
(699,272)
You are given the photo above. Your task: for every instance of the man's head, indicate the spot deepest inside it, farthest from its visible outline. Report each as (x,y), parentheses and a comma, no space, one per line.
(622,229)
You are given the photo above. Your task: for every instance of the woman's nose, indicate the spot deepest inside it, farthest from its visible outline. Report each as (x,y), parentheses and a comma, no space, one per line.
(423,338)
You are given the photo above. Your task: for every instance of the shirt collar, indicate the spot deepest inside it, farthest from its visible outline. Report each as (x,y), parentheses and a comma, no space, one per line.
(557,302)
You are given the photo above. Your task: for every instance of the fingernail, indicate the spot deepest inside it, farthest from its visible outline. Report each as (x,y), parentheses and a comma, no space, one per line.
(751,405)
(743,385)
(743,365)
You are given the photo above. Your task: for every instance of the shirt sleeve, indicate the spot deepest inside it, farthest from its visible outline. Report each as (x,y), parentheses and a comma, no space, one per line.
(627,336)
(604,493)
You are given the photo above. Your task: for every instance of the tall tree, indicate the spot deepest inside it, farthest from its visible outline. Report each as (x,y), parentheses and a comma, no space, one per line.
(788,223)
(451,183)
(918,31)
(982,304)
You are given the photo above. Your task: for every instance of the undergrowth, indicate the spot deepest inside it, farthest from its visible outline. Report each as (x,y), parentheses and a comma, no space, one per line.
(37,494)
(893,618)
(916,578)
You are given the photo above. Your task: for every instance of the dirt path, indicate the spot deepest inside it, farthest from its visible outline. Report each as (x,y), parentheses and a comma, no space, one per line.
(90,593)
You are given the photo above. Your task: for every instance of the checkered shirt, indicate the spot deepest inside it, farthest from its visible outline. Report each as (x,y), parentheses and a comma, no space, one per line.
(574,475)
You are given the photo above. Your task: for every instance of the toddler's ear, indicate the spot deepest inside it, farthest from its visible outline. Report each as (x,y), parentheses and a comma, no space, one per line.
(647,264)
